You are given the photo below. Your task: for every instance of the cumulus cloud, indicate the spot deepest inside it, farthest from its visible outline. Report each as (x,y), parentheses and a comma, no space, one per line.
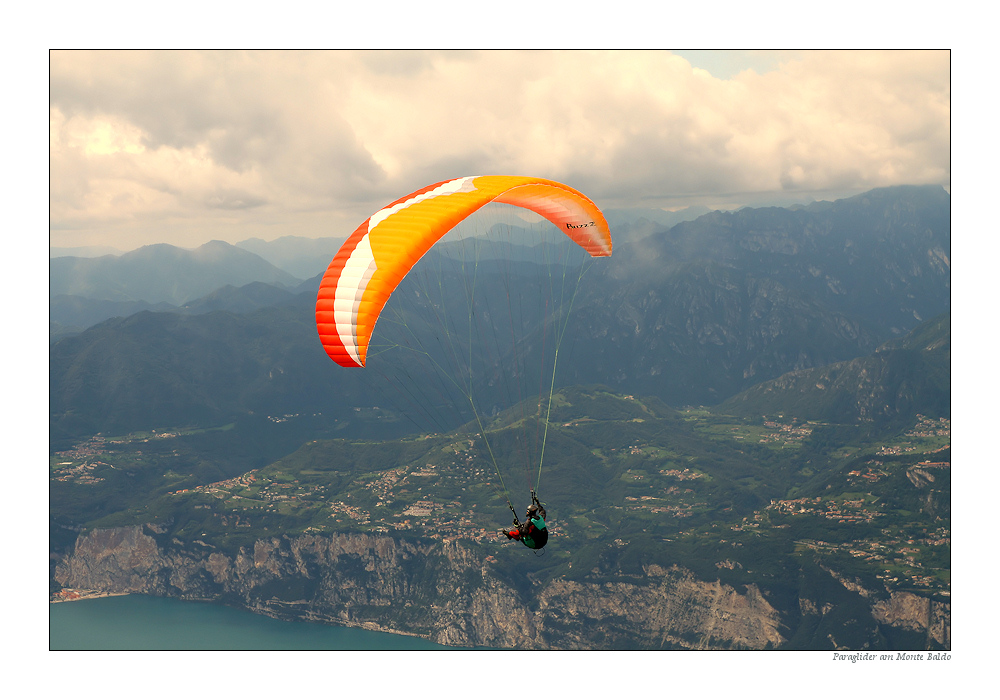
(186,146)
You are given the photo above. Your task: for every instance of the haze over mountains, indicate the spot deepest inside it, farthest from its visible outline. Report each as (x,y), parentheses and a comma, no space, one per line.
(162,273)
(82,292)
(693,313)
(87,290)
(301,256)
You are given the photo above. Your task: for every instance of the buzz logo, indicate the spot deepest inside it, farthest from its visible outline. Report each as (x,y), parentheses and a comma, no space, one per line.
(589,223)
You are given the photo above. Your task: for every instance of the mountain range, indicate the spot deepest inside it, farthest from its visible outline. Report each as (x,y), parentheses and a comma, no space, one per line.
(902,378)
(162,273)
(694,314)
(301,257)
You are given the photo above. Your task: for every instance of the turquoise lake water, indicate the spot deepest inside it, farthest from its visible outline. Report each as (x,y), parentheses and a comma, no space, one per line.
(150,623)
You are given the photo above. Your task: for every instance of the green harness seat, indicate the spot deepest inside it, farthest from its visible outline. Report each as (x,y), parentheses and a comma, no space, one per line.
(537,537)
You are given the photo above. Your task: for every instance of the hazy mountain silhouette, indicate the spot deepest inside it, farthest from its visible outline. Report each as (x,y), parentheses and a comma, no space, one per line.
(693,314)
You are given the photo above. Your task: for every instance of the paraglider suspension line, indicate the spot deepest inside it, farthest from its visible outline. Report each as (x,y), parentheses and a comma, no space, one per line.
(555,362)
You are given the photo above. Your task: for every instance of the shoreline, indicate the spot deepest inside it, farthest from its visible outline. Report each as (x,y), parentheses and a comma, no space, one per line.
(68,595)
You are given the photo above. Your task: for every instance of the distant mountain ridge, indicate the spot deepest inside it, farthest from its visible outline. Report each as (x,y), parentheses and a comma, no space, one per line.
(301,257)
(162,273)
(694,314)
(83,251)
(882,257)
(72,314)
(751,294)
(906,376)
(169,368)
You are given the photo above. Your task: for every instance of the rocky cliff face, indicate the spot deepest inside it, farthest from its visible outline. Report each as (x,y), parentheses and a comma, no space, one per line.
(452,595)
(441,591)
(918,614)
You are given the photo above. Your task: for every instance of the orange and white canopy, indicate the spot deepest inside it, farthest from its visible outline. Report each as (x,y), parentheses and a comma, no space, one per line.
(383,249)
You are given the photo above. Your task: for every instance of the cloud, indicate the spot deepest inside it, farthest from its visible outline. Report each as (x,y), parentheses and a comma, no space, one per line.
(187,146)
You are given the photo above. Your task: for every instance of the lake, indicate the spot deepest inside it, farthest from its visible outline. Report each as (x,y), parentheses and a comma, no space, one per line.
(151,623)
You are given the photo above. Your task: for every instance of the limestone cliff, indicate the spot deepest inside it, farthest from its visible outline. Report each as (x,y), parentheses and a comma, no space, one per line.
(901,609)
(917,613)
(455,595)
(439,590)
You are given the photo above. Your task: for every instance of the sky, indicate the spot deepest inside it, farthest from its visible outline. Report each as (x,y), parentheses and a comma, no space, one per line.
(184,147)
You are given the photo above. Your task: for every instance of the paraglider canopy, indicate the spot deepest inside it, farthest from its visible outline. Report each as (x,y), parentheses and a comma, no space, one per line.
(383,249)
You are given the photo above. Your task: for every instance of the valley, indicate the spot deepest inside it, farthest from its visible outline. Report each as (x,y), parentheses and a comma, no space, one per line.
(730,499)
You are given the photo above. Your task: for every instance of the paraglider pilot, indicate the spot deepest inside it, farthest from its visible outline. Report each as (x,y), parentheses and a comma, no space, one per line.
(531,533)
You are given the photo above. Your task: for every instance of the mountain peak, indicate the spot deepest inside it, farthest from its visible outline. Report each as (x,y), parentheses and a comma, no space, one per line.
(164,273)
